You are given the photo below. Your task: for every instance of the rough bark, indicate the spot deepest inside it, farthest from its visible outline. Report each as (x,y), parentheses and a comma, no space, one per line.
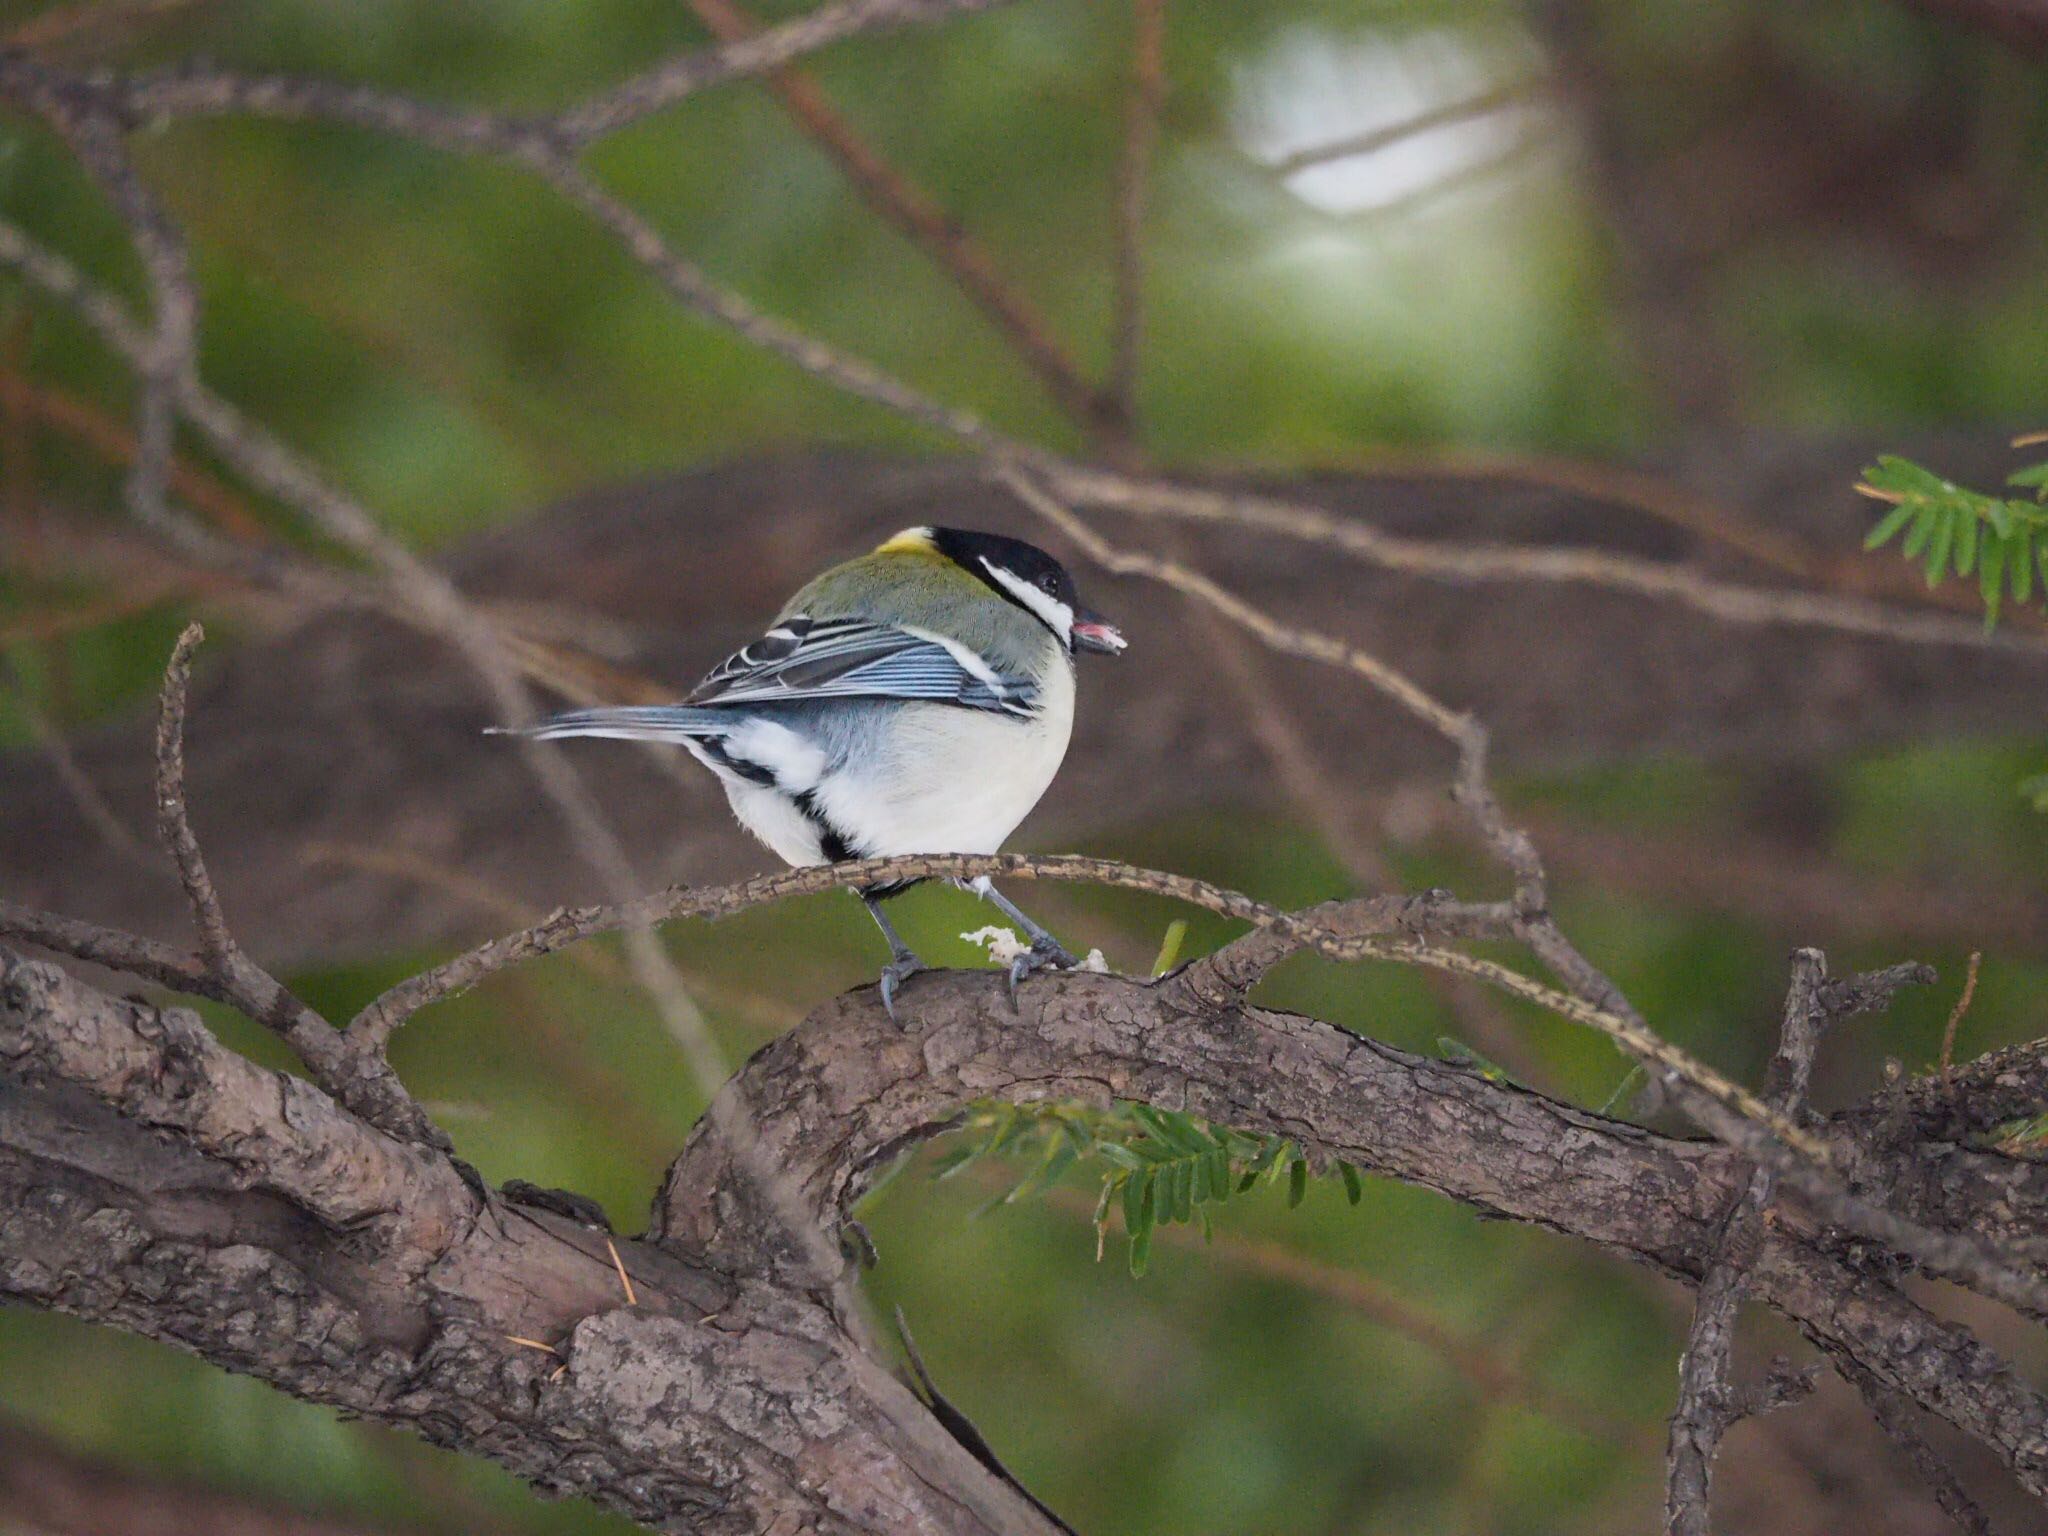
(689,566)
(154,1181)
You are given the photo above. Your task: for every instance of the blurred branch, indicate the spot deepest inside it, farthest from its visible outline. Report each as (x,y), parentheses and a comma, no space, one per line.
(203,92)
(82,420)
(1142,108)
(1895,1413)
(1479,562)
(912,210)
(749,53)
(1371,142)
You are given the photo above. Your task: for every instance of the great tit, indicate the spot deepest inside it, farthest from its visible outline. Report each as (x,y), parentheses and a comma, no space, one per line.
(917,699)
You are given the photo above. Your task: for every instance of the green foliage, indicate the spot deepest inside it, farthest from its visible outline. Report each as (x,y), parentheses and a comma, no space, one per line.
(2026,1137)
(1951,529)
(1170,946)
(1158,1166)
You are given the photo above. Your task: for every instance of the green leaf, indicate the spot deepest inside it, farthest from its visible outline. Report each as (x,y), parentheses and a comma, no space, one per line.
(1059,1157)
(1102,1202)
(1170,946)
(1890,524)
(2019,565)
(1297,1182)
(1269,1150)
(1119,1154)
(1184,1191)
(1939,546)
(954,1161)
(1141,1253)
(2033,477)
(1354,1187)
(1219,1176)
(1990,574)
(1902,477)
(1925,518)
(1137,1202)
(1966,546)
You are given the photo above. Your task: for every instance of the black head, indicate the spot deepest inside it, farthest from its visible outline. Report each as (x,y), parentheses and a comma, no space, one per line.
(1027,576)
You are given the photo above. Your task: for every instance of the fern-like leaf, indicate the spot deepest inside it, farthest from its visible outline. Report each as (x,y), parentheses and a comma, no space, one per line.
(1952,530)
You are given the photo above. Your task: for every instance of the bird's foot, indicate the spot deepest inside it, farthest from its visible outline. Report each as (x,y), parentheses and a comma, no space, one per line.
(1045,953)
(899,970)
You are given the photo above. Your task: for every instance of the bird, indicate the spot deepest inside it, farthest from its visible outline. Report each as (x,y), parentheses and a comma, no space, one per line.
(915,699)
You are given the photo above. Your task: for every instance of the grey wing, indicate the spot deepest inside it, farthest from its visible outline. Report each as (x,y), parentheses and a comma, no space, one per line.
(805,658)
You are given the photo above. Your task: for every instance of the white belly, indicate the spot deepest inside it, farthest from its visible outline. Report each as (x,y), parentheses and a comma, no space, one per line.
(956,780)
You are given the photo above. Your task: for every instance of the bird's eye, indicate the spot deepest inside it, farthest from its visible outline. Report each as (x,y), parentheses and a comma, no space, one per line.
(1048,584)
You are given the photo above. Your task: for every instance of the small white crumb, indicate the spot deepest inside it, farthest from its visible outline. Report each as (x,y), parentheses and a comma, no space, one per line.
(1002,944)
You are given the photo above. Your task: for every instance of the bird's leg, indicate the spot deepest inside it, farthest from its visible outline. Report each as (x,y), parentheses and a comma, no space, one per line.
(903,962)
(1045,949)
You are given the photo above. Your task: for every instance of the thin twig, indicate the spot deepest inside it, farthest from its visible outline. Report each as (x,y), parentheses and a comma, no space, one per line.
(1894,1413)
(913,211)
(173,821)
(1373,140)
(570,925)
(619,1264)
(1955,1020)
(1702,1412)
(1475,562)
(755,54)
(1706,1406)
(539,145)
(95,138)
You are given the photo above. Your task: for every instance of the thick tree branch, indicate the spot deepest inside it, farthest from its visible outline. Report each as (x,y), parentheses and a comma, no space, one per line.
(156,1181)
(408,1261)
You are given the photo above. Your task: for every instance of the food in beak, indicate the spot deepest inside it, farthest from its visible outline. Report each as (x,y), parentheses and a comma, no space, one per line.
(1093,633)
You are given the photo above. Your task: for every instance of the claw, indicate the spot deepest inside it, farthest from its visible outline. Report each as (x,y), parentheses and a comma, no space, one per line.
(899,970)
(1046,952)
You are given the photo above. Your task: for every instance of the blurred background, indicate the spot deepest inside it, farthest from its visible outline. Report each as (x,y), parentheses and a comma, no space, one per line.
(1657,276)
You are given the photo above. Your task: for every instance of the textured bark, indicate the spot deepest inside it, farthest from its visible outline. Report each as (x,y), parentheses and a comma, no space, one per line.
(154,1181)
(689,566)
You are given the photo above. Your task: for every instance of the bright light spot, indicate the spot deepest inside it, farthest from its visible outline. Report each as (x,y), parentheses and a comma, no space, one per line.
(1315,92)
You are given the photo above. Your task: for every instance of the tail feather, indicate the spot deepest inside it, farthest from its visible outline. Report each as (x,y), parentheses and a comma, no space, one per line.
(658,722)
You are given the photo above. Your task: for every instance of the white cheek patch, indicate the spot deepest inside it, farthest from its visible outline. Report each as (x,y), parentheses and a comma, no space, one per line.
(1053,613)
